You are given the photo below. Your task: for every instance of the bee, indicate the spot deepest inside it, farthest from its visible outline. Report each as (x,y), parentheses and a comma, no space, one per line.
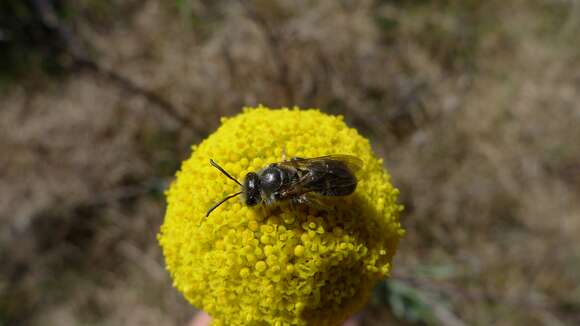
(296,180)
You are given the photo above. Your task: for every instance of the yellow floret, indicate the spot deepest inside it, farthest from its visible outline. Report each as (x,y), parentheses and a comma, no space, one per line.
(281,265)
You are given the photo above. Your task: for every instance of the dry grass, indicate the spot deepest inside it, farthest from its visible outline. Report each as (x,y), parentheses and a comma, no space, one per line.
(473,105)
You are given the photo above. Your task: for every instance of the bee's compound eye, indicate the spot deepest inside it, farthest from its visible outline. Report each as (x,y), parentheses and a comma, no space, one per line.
(252,189)
(252,200)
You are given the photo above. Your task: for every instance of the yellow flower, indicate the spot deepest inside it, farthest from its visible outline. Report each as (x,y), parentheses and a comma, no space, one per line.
(280,266)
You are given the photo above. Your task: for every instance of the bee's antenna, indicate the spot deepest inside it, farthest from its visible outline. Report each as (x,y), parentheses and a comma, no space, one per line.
(221,202)
(212,162)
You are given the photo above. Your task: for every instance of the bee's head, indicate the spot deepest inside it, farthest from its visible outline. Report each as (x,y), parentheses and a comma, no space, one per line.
(252,189)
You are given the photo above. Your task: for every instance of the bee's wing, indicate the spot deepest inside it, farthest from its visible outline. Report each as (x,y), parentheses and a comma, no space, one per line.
(323,174)
(352,162)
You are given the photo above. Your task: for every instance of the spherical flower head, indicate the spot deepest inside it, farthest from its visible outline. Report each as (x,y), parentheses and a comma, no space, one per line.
(280,265)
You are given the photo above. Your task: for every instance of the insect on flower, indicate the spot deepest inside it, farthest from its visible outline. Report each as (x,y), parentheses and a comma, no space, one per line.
(297,180)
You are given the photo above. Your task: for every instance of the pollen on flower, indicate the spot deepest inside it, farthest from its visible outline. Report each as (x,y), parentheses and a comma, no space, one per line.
(265,239)
(279,265)
(260,266)
(245,272)
(299,250)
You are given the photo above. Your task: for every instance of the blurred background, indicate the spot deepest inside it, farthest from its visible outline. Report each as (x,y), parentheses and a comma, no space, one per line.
(474,106)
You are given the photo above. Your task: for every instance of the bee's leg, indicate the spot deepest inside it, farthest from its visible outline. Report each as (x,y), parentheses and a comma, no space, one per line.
(285,156)
(265,209)
(296,203)
(293,203)
(315,202)
(284,153)
(300,200)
